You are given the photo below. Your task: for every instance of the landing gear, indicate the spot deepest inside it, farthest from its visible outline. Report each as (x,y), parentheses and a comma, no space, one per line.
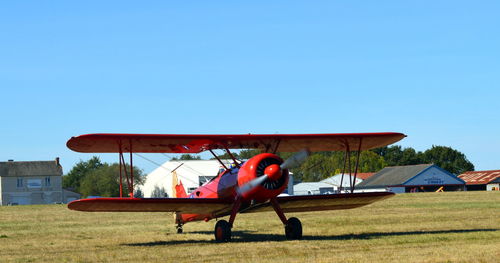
(179,228)
(222,231)
(293,229)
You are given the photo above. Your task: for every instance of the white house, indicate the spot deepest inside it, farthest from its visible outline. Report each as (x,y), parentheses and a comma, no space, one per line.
(32,182)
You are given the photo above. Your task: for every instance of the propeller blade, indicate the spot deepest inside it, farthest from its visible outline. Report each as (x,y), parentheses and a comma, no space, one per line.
(252,184)
(296,160)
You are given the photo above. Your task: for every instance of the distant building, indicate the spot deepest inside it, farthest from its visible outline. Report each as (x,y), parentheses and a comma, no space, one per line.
(482,180)
(32,182)
(312,188)
(329,185)
(413,178)
(192,174)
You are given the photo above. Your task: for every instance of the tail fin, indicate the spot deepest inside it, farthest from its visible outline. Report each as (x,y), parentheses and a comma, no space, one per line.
(177,187)
(180,191)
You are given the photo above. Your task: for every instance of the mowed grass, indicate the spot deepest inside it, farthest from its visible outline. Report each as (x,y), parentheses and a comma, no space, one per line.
(422,227)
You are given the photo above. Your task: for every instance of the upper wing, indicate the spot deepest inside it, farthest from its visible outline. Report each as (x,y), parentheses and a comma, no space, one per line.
(178,143)
(306,203)
(204,206)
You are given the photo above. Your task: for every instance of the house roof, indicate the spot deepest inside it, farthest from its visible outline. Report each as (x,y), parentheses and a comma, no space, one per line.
(480,177)
(30,168)
(364,176)
(395,175)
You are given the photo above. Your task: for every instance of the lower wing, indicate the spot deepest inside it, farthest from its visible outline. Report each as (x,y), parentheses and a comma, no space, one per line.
(220,207)
(206,206)
(306,203)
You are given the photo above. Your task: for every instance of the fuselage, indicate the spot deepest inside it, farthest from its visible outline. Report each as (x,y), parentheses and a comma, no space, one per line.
(226,185)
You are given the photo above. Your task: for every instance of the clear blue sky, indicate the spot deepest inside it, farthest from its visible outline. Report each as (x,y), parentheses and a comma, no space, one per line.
(429,69)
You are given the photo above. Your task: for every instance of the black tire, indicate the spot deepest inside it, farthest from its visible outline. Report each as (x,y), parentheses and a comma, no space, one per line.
(222,231)
(293,229)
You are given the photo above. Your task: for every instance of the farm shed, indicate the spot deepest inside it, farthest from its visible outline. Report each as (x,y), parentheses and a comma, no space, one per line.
(482,180)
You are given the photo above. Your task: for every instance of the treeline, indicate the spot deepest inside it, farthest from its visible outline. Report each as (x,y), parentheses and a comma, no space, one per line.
(322,165)
(95,178)
(325,164)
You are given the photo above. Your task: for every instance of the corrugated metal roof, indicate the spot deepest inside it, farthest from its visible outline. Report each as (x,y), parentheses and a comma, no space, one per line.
(31,168)
(395,175)
(480,177)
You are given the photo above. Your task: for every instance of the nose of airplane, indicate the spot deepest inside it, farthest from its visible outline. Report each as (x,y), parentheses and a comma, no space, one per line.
(273,172)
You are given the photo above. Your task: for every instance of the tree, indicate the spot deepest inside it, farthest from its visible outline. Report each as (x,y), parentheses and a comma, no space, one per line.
(448,159)
(248,153)
(325,164)
(159,192)
(105,181)
(187,157)
(138,193)
(395,155)
(370,162)
(75,176)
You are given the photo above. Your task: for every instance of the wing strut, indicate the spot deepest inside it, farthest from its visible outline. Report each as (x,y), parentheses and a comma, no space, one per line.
(347,161)
(357,165)
(123,166)
(232,156)
(218,159)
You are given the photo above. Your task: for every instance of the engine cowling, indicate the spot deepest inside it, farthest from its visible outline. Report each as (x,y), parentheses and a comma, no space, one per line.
(265,163)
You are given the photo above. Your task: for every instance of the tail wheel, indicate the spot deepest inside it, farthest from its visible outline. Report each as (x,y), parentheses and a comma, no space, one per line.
(293,229)
(179,228)
(222,231)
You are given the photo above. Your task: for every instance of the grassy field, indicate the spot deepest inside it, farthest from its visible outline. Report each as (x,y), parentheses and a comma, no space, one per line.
(422,227)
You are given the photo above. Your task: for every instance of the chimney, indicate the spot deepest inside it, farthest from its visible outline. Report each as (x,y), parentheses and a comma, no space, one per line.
(57,161)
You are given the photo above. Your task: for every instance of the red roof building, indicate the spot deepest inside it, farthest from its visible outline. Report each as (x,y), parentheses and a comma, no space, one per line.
(481,180)
(364,176)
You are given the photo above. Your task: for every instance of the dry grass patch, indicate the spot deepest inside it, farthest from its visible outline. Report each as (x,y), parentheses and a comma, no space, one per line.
(423,227)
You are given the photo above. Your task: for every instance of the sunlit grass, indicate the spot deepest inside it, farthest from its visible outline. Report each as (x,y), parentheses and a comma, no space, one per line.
(423,227)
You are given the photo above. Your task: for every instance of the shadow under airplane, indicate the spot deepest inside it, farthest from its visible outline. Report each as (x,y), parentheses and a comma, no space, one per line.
(251,236)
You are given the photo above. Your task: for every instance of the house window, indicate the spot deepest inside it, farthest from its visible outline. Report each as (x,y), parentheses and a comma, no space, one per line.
(19,182)
(47,181)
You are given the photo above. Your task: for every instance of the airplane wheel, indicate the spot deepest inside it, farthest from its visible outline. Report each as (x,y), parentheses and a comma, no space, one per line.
(222,231)
(179,228)
(293,229)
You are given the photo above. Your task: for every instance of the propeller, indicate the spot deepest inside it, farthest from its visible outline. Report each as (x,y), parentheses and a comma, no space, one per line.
(273,171)
(295,160)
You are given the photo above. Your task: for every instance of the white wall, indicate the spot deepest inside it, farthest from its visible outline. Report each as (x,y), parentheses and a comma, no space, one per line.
(489,187)
(433,176)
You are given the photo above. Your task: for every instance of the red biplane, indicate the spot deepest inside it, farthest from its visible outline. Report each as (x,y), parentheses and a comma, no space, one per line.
(249,187)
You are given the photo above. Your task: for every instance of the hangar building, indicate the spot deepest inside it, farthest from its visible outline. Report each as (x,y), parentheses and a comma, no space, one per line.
(32,182)
(192,174)
(413,178)
(482,180)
